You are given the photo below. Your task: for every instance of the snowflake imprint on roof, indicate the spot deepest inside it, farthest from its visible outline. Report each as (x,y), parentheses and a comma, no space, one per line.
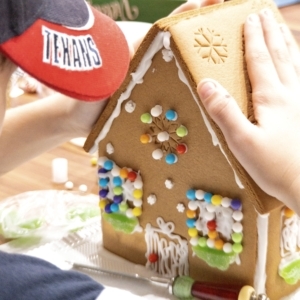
(210,46)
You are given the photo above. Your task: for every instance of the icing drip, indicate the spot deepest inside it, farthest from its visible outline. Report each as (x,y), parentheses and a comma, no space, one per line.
(110,148)
(137,78)
(260,272)
(130,106)
(215,139)
(161,40)
(172,253)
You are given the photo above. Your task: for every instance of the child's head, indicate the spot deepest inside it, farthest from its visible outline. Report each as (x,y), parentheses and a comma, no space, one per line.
(68,45)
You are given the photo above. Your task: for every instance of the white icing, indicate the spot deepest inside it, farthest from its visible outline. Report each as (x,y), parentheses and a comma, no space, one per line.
(180,207)
(215,139)
(172,253)
(146,61)
(151,199)
(127,186)
(110,148)
(162,39)
(130,106)
(169,184)
(260,276)
(167,55)
(290,240)
(290,236)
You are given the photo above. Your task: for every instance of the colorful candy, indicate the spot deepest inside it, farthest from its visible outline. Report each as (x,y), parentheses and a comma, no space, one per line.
(163,134)
(217,238)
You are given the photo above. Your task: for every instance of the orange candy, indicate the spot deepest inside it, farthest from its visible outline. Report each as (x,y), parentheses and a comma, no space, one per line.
(145,138)
(288,213)
(191,214)
(219,244)
(212,234)
(123,173)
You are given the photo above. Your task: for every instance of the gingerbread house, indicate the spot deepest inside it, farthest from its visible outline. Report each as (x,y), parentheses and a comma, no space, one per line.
(173,197)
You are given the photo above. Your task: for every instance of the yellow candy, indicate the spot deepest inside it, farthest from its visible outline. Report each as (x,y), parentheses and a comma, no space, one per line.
(124,173)
(219,244)
(216,200)
(193,232)
(137,194)
(212,234)
(137,211)
(102,204)
(94,161)
(191,214)
(288,213)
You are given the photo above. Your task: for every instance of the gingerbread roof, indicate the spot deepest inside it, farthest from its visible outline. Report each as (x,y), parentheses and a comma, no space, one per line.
(207,42)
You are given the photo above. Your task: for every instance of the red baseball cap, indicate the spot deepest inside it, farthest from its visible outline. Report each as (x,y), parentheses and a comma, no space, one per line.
(66,44)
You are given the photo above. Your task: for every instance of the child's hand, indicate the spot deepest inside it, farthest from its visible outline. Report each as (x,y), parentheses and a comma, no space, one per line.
(269,150)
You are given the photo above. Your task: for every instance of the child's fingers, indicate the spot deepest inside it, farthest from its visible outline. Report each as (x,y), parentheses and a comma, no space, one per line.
(261,70)
(225,111)
(277,48)
(292,46)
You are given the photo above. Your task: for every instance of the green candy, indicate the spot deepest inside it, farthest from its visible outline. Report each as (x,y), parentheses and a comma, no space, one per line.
(146,118)
(181,131)
(291,272)
(215,258)
(202,241)
(121,222)
(237,248)
(237,237)
(123,207)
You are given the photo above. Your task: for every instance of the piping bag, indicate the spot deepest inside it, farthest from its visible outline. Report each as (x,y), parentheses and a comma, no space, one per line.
(184,287)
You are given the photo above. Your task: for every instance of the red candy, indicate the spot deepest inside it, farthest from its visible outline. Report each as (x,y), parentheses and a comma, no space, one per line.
(211,225)
(132,176)
(153,257)
(181,149)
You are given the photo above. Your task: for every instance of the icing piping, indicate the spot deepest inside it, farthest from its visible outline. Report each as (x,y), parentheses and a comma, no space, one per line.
(116,191)
(172,253)
(162,39)
(289,267)
(217,226)
(262,246)
(137,78)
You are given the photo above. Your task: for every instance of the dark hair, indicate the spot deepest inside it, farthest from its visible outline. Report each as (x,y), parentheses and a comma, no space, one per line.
(2,59)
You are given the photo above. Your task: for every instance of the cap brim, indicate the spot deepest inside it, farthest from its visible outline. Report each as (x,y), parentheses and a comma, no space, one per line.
(26,51)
